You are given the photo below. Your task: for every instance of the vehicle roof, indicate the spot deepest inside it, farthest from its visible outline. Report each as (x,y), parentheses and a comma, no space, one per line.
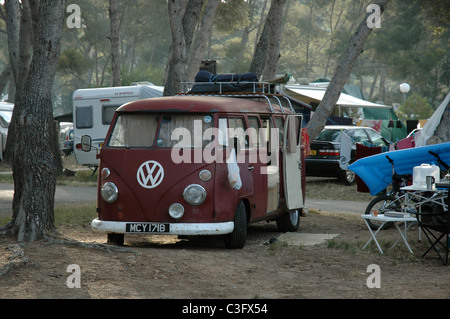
(120,91)
(345,127)
(6,106)
(208,104)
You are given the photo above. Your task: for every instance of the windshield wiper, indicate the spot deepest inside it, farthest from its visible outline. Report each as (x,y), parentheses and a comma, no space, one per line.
(120,142)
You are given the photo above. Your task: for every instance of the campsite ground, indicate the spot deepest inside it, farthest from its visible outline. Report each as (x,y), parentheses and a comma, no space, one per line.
(200,268)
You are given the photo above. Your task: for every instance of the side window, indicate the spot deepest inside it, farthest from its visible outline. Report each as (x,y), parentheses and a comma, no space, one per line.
(376,138)
(108,113)
(253,131)
(236,131)
(359,136)
(84,117)
(267,125)
(280,126)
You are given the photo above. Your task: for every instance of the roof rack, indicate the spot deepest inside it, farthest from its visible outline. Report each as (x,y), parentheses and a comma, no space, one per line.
(263,90)
(222,87)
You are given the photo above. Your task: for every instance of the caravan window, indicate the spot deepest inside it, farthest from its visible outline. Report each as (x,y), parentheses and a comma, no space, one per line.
(108,113)
(84,117)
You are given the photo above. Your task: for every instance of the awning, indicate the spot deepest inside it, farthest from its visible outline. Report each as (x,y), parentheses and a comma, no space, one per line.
(316,95)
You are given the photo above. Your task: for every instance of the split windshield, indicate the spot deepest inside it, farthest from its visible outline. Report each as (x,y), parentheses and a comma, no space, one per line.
(160,130)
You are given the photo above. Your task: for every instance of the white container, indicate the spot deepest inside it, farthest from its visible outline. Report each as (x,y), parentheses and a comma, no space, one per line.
(421,172)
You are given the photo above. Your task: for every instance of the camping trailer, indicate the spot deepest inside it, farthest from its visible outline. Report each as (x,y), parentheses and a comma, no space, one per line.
(93,110)
(6,110)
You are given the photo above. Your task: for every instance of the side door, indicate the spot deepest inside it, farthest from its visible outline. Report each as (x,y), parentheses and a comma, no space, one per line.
(292,168)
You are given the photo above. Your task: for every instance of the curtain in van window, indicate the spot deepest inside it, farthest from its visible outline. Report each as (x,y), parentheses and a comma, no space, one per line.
(134,130)
(184,130)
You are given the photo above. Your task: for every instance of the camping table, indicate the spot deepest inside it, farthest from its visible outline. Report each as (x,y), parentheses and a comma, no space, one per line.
(386,219)
(416,196)
(421,195)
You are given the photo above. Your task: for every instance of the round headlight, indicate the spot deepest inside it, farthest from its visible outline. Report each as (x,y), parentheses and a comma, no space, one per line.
(105,173)
(194,195)
(176,211)
(110,192)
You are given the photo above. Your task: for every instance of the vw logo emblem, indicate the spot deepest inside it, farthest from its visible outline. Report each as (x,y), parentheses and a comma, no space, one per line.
(150,174)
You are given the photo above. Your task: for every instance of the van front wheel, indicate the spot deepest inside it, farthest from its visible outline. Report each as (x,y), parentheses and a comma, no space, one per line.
(236,239)
(289,221)
(116,239)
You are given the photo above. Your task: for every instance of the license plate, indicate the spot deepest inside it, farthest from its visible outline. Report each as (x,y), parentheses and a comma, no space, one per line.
(313,152)
(147,228)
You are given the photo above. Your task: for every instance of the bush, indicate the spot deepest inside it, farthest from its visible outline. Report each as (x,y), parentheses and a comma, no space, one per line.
(415,108)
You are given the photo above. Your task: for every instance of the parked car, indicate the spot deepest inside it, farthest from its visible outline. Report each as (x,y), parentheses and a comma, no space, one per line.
(6,110)
(325,151)
(66,137)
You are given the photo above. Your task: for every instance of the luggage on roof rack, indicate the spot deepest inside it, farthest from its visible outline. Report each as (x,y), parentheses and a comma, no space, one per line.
(205,76)
(207,82)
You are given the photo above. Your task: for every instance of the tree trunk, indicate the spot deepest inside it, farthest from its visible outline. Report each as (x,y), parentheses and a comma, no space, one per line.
(259,57)
(12,13)
(341,74)
(275,21)
(5,77)
(191,16)
(267,51)
(198,49)
(382,92)
(34,166)
(260,24)
(176,68)
(115,52)
(19,26)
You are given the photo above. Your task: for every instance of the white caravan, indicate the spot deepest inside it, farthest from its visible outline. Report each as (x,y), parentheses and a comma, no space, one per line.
(6,110)
(93,110)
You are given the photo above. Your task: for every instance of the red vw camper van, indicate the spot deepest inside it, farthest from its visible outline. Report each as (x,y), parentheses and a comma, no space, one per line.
(198,164)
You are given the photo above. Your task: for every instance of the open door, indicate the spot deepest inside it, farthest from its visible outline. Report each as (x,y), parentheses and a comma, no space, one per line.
(292,162)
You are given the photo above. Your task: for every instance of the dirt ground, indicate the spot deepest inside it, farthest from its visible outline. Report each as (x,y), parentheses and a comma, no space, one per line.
(161,267)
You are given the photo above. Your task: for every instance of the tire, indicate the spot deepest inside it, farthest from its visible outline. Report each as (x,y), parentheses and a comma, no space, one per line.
(115,239)
(382,204)
(237,239)
(289,221)
(346,177)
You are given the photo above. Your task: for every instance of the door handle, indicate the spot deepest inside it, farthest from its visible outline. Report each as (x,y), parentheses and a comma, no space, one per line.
(251,168)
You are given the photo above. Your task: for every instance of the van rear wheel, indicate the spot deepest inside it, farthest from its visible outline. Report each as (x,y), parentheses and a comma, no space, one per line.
(289,221)
(236,239)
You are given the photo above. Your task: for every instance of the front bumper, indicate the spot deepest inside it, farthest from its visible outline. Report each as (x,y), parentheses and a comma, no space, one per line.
(187,229)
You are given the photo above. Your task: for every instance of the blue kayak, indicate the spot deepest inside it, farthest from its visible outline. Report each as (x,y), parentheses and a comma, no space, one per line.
(376,170)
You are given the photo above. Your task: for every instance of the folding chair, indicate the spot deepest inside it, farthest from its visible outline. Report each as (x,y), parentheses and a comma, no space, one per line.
(435,223)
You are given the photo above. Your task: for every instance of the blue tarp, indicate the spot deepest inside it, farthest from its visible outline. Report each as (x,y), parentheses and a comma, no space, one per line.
(376,170)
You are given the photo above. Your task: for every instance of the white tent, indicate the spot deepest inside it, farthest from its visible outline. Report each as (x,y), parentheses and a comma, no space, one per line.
(316,94)
(430,127)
